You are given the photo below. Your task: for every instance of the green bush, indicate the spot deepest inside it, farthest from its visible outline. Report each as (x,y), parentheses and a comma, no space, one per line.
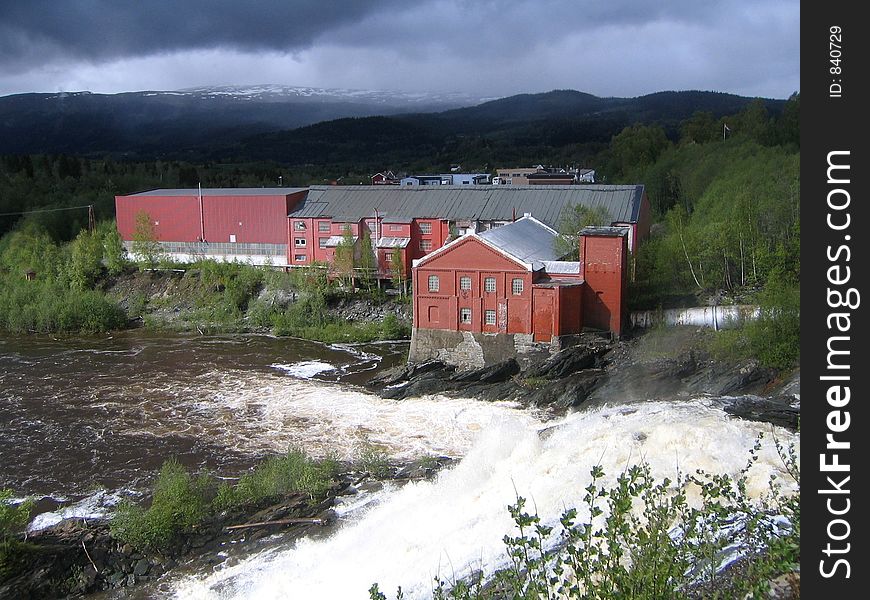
(278,476)
(179,503)
(13,519)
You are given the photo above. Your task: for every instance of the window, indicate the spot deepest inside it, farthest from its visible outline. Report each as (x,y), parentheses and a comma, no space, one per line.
(489,284)
(489,317)
(300,257)
(517,286)
(395,228)
(323,226)
(298,225)
(465,315)
(299,242)
(434,283)
(345,227)
(388,256)
(321,242)
(465,283)
(426,245)
(426,228)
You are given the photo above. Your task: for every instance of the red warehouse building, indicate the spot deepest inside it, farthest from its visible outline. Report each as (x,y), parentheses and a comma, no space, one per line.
(407,223)
(244,224)
(482,296)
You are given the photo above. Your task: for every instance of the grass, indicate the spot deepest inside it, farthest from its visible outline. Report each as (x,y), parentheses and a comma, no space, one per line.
(13,519)
(180,501)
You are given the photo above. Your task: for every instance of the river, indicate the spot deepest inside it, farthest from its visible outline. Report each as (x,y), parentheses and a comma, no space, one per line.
(85,421)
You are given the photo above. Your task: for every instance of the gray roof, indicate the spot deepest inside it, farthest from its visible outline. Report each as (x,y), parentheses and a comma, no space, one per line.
(278,191)
(526,239)
(393,242)
(474,203)
(604,231)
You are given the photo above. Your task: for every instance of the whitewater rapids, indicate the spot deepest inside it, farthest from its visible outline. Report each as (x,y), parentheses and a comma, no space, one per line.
(453,525)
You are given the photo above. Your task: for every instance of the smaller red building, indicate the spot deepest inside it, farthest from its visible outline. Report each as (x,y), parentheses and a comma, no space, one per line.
(508,281)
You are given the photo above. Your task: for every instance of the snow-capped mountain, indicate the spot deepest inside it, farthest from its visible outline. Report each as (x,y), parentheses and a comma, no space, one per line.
(153,122)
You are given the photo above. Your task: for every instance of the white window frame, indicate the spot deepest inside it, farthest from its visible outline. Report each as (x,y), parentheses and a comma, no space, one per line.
(465,316)
(300,242)
(434,283)
(426,228)
(465,283)
(486,285)
(324,226)
(517,286)
(489,317)
(299,226)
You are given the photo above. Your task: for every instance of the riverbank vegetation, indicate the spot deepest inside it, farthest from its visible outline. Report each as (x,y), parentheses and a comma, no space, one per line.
(13,519)
(180,501)
(646,539)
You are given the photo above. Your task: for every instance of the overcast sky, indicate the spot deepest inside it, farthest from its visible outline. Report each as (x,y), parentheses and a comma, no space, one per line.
(482,47)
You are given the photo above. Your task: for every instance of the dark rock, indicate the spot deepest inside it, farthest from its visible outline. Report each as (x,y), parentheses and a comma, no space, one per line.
(498,372)
(567,361)
(779,410)
(142,567)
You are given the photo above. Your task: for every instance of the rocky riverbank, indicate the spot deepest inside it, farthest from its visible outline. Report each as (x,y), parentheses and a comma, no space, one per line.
(77,557)
(661,364)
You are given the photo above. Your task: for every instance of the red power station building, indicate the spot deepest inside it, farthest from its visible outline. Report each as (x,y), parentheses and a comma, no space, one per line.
(508,283)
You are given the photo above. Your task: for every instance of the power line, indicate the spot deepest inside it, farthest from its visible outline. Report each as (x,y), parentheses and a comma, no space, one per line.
(43,210)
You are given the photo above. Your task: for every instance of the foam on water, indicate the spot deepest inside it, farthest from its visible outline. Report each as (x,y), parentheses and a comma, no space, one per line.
(96,506)
(305,369)
(454,524)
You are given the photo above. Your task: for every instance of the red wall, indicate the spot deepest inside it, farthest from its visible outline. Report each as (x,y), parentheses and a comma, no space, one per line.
(252,219)
(174,219)
(604,270)
(473,259)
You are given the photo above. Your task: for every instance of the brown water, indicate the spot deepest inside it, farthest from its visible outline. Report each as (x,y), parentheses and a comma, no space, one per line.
(81,413)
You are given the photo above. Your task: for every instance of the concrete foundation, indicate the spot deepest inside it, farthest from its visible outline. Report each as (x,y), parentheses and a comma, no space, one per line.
(471,350)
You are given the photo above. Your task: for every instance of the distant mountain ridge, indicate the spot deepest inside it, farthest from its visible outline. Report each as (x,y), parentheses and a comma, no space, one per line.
(302,125)
(155,122)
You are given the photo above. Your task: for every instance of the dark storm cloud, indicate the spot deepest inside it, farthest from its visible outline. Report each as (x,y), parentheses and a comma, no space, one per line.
(490,47)
(35,31)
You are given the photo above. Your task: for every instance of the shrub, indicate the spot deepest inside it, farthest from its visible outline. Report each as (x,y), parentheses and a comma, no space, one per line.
(13,519)
(178,504)
(278,476)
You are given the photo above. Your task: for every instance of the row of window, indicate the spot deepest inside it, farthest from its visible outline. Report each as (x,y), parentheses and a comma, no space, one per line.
(224,248)
(326,227)
(465,316)
(465,284)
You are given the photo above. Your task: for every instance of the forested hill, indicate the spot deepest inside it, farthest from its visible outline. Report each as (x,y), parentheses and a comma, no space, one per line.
(294,131)
(519,129)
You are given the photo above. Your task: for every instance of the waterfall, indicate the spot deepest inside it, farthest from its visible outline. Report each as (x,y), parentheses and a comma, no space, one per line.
(454,525)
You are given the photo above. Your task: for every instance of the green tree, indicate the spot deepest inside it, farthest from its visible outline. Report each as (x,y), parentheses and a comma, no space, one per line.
(86,260)
(572,220)
(637,146)
(345,258)
(146,248)
(397,270)
(700,128)
(367,262)
(113,249)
